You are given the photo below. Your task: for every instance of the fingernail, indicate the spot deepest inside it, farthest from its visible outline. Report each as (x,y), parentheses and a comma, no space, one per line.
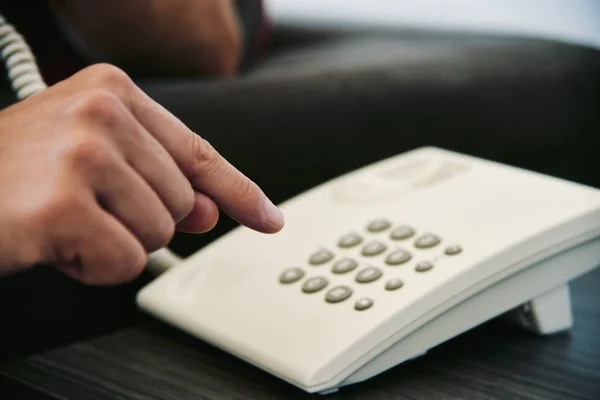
(274,214)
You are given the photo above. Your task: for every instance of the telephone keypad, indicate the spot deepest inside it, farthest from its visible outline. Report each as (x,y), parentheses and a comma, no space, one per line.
(321,257)
(291,275)
(363,304)
(427,241)
(394,260)
(378,225)
(394,284)
(350,240)
(423,266)
(338,294)
(315,284)
(398,257)
(368,275)
(344,266)
(373,249)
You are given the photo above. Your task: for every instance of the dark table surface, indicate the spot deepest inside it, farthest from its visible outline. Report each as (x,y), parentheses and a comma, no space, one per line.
(151,360)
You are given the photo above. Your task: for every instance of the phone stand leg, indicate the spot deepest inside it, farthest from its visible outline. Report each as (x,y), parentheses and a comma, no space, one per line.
(546,314)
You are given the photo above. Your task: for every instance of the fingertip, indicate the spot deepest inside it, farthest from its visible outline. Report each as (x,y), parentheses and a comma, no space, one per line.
(274,218)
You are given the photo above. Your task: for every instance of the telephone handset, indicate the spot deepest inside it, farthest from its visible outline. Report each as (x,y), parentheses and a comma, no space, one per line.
(380,265)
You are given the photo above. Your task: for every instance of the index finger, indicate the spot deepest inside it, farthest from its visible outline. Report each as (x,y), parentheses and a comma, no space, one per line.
(206,169)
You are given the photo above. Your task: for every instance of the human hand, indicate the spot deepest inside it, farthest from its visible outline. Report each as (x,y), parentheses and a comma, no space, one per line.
(94,175)
(184,36)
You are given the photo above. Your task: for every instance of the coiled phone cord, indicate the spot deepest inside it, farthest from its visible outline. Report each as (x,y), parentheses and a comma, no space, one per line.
(26,80)
(20,62)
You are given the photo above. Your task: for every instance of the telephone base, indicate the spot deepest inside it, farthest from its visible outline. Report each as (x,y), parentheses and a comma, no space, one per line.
(547,314)
(444,231)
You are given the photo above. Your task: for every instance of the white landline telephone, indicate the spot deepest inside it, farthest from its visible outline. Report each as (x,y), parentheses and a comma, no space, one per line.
(378,266)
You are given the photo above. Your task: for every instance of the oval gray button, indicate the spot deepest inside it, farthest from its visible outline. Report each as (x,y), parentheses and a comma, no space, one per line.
(291,275)
(373,249)
(338,294)
(363,304)
(378,225)
(398,257)
(453,250)
(402,232)
(424,266)
(315,284)
(426,241)
(350,240)
(369,274)
(321,257)
(344,265)
(394,284)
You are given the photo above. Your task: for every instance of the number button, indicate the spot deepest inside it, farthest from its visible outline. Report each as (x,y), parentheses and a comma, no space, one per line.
(368,275)
(398,257)
(427,241)
(453,250)
(402,233)
(424,266)
(338,294)
(363,304)
(344,265)
(321,257)
(373,249)
(394,284)
(378,225)
(314,285)
(350,240)
(291,275)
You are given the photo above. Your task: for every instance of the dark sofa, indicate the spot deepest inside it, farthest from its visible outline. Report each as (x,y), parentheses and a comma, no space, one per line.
(324,104)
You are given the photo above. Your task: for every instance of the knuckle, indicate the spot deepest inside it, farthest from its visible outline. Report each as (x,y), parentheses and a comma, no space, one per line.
(162,235)
(57,209)
(109,76)
(98,106)
(87,153)
(204,154)
(246,188)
